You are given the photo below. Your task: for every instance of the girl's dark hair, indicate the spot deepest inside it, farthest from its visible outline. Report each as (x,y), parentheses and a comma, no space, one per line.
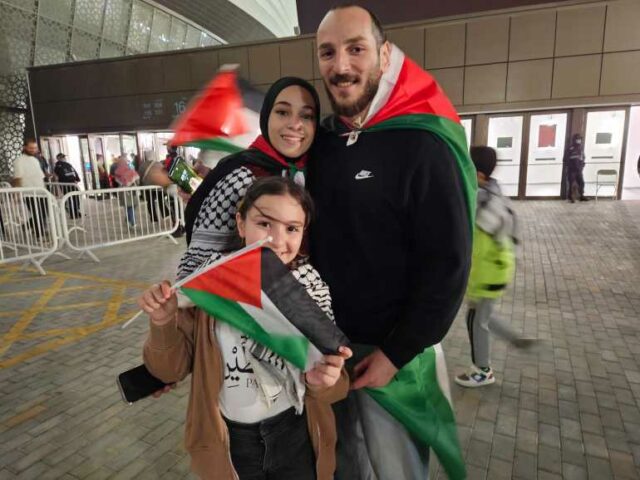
(277,186)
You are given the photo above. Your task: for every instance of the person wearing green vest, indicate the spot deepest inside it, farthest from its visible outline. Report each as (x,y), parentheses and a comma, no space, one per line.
(492,267)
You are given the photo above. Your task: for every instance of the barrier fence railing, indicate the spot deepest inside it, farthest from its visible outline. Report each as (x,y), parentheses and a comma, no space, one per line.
(119,215)
(34,225)
(28,226)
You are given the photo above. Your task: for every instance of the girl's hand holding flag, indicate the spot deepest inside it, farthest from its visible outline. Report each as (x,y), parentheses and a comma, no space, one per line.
(327,372)
(160,302)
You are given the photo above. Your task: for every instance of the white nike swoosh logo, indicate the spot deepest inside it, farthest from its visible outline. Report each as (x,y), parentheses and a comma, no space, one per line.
(363,175)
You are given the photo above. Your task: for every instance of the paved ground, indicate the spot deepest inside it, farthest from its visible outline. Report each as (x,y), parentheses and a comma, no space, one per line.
(570,409)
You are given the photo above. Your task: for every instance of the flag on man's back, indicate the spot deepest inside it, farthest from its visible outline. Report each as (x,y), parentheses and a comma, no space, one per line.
(257,294)
(224,116)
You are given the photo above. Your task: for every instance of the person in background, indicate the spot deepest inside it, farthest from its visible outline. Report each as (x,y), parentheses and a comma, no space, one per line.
(575,161)
(27,172)
(159,205)
(125,176)
(65,173)
(492,268)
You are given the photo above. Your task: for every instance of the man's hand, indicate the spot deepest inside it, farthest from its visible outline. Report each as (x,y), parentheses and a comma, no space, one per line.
(375,370)
(327,373)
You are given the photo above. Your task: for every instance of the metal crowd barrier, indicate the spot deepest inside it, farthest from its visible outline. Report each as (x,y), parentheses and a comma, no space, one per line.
(28,226)
(35,225)
(117,216)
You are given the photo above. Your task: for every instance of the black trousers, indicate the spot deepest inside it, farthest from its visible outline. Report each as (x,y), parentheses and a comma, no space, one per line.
(278,448)
(73,205)
(38,214)
(575,176)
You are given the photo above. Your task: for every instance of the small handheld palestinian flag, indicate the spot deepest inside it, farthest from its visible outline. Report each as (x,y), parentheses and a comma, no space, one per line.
(255,292)
(224,116)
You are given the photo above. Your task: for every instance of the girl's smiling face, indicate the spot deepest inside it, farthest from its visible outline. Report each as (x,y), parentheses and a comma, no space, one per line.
(279,216)
(292,121)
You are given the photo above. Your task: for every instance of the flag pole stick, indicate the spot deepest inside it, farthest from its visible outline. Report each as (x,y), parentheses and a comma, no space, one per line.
(206,268)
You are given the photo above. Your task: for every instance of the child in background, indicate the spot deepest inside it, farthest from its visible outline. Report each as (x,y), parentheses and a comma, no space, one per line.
(492,268)
(232,429)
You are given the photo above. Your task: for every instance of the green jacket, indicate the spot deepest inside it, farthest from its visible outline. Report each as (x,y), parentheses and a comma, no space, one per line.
(492,266)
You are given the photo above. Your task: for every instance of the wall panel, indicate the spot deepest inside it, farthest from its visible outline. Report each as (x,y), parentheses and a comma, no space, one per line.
(452,82)
(297,59)
(580,30)
(485,83)
(487,40)
(445,45)
(576,76)
(530,80)
(411,41)
(532,35)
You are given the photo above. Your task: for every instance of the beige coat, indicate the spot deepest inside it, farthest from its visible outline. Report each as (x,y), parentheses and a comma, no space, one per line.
(188,345)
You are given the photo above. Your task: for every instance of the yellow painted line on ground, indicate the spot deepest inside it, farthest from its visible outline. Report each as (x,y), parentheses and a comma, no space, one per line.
(78,330)
(62,290)
(24,416)
(65,335)
(56,308)
(79,276)
(28,315)
(59,342)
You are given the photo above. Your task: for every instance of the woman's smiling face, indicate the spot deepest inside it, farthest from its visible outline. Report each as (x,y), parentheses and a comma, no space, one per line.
(292,121)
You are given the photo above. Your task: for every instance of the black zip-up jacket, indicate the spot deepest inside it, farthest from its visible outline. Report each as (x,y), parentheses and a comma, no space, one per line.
(391,237)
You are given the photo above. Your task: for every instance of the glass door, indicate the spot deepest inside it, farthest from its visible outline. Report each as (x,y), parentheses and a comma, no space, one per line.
(112,150)
(603,147)
(130,148)
(631,185)
(547,136)
(89,165)
(505,135)
(467,124)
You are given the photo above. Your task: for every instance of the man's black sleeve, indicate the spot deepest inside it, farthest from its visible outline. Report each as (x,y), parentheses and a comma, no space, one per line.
(439,252)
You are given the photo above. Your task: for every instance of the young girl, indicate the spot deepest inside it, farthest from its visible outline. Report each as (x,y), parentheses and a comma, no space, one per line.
(233,430)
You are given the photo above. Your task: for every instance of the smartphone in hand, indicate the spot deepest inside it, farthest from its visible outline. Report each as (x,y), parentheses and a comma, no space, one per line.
(138,383)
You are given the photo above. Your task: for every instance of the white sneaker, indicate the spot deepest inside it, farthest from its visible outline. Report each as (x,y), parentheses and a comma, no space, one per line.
(475,377)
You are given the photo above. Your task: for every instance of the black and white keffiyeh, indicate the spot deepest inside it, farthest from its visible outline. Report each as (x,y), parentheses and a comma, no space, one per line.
(214,230)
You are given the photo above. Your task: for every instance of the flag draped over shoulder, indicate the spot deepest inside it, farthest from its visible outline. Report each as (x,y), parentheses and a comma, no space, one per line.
(257,294)
(224,116)
(418,396)
(409,98)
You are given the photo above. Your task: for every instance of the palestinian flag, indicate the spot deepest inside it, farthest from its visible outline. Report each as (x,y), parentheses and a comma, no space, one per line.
(256,293)
(418,396)
(224,116)
(409,98)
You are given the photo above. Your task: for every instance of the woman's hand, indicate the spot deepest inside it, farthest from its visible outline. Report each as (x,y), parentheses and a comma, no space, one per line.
(326,373)
(160,302)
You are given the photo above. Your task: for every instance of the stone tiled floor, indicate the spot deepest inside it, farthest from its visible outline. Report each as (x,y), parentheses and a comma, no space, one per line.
(568,409)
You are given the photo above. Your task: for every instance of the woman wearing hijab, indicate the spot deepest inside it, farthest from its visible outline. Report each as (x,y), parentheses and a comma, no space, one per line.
(288,122)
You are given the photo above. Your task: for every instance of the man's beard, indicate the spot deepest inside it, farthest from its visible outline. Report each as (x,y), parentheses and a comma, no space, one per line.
(354,108)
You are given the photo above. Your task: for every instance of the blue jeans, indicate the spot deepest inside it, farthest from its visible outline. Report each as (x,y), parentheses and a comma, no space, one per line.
(278,448)
(131,216)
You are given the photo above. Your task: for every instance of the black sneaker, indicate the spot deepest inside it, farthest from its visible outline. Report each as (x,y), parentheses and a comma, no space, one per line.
(178,232)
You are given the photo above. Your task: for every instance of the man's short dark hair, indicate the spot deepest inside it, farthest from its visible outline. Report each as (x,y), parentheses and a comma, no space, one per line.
(376,26)
(27,141)
(485,159)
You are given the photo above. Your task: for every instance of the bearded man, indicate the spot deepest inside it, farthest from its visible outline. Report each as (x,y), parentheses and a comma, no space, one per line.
(394,191)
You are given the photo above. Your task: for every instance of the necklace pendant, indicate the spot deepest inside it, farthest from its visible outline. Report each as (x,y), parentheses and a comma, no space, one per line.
(353,137)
